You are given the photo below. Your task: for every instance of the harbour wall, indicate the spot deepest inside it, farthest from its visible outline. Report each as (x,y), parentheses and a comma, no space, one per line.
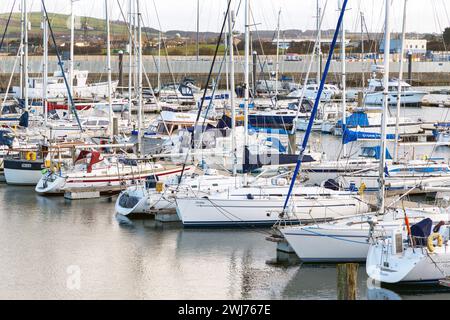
(176,68)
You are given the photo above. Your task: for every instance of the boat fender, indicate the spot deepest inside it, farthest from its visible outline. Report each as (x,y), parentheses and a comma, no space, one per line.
(159,186)
(30,155)
(48,163)
(361,188)
(431,238)
(250,196)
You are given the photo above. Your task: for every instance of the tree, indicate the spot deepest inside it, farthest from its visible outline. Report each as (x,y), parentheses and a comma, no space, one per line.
(446,35)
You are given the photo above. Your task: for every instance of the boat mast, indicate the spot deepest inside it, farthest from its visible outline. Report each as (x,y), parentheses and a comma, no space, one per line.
(315,108)
(277,67)
(108,66)
(130,58)
(319,44)
(135,36)
(399,88)
(139,55)
(387,49)
(344,78)
(159,60)
(362,49)
(25,59)
(246,68)
(232,87)
(198,28)
(22,29)
(45,65)
(72,46)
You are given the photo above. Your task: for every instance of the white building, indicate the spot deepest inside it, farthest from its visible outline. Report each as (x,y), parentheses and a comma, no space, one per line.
(415,46)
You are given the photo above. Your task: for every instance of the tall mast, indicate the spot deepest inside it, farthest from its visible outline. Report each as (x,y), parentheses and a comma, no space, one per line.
(25,58)
(362,49)
(319,44)
(135,36)
(159,60)
(130,58)
(344,77)
(246,68)
(387,49)
(198,28)
(45,65)
(108,59)
(139,52)
(400,78)
(232,88)
(277,67)
(72,44)
(22,32)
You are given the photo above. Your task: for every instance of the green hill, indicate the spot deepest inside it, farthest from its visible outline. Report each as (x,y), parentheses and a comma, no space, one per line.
(91,27)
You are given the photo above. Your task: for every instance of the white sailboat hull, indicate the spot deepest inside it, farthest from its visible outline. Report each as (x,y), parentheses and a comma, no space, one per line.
(410,98)
(232,212)
(328,245)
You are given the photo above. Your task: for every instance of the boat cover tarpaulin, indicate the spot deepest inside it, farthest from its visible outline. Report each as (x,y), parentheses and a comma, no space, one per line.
(351,136)
(256,161)
(5,138)
(23,121)
(421,231)
(355,119)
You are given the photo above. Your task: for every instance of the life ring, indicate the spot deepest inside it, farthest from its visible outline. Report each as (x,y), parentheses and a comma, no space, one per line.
(431,238)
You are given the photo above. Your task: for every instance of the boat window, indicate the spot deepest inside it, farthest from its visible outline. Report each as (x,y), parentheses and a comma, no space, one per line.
(103,122)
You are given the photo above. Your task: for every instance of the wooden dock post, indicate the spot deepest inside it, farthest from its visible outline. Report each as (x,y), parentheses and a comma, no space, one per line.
(347,276)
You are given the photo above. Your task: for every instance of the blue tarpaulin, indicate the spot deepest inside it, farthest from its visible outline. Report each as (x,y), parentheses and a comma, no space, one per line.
(350,136)
(355,119)
(375,152)
(5,140)
(421,231)
(23,121)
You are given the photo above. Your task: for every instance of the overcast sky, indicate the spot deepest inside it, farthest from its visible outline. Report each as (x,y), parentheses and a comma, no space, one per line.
(423,15)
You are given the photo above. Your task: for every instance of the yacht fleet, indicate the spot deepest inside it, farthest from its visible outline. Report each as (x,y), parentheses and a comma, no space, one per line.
(231,161)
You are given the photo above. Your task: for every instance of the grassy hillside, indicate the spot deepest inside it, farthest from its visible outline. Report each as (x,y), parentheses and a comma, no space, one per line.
(60,23)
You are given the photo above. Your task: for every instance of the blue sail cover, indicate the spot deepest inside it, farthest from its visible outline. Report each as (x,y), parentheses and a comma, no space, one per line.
(421,231)
(5,139)
(376,152)
(350,136)
(23,121)
(276,144)
(355,119)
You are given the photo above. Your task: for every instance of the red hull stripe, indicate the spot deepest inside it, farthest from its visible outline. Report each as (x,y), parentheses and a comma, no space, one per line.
(129,178)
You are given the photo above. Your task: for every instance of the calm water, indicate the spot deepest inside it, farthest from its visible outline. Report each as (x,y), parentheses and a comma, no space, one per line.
(46,241)
(54,248)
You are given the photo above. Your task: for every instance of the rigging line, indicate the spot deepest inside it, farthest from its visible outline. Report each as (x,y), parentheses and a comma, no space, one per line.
(143,67)
(61,65)
(165,48)
(225,212)
(302,95)
(219,42)
(316,104)
(261,65)
(7,24)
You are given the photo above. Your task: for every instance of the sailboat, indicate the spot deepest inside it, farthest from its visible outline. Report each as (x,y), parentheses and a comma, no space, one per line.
(266,205)
(348,239)
(94,171)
